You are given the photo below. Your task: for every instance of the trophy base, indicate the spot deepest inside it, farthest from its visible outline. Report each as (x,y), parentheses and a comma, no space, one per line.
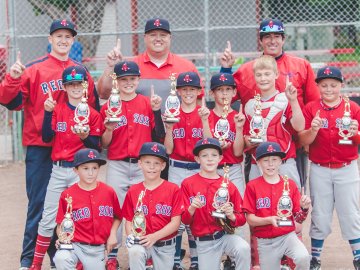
(136,241)
(256,140)
(346,142)
(81,129)
(172,120)
(63,246)
(218,215)
(114,119)
(284,223)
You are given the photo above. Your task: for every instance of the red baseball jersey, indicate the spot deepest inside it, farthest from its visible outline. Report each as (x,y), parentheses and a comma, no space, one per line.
(133,130)
(159,205)
(326,148)
(228,154)
(261,199)
(202,223)
(277,114)
(185,135)
(93,212)
(65,142)
(31,91)
(299,70)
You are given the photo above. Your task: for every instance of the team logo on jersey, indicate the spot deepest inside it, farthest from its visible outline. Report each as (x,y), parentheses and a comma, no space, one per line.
(91,155)
(125,67)
(144,209)
(327,71)
(61,126)
(325,122)
(155,148)
(157,23)
(187,78)
(263,203)
(163,209)
(178,133)
(142,119)
(202,198)
(64,23)
(53,86)
(198,133)
(222,78)
(338,123)
(81,213)
(270,149)
(106,211)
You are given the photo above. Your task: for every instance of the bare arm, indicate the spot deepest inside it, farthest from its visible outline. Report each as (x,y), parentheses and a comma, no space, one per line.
(255,221)
(169,140)
(308,136)
(239,143)
(112,240)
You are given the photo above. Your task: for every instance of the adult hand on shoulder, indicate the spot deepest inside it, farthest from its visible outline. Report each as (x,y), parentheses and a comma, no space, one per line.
(17,69)
(227,59)
(114,56)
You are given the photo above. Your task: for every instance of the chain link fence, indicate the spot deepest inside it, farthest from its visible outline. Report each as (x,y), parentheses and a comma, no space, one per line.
(323,31)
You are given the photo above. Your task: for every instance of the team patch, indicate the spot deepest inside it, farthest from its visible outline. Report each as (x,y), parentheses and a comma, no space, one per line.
(162,209)
(178,133)
(61,126)
(141,119)
(197,133)
(263,203)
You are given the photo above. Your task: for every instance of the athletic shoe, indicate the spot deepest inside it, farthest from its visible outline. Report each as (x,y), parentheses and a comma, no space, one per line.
(194,267)
(112,264)
(315,264)
(285,267)
(24,268)
(177,267)
(356,264)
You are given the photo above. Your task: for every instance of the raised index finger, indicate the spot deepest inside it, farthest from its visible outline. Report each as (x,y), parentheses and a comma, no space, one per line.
(118,44)
(18,57)
(203,103)
(50,95)
(302,191)
(229,45)
(152,91)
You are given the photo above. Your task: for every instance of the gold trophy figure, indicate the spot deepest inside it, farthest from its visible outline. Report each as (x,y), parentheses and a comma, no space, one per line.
(172,104)
(344,127)
(138,223)
(285,206)
(67,227)
(222,127)
(114,102)
(257,124)
(82,112)
(221,196)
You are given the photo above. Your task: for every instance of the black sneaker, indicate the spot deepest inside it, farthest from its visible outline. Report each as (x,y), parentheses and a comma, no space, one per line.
(315,264)
(356,264)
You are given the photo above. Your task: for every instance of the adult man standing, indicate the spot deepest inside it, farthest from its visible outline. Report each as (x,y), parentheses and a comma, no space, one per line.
(27,87)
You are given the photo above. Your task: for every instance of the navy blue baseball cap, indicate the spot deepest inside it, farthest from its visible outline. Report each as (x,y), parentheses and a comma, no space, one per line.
(74,74)
(153,149)
(268,26)
(207,143)
(221,79)
(87,155)
(266,149)
(188,79)
(157,24)
(329,72)
(63,24)
(126,68)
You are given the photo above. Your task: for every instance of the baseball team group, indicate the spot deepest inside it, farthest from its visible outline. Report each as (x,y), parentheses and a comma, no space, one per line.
(174,165)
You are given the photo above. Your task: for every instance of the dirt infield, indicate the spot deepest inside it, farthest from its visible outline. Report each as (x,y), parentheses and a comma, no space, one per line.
(13,202)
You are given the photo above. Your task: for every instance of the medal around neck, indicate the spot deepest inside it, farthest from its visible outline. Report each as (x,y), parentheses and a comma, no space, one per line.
(82,112)
(138,224)
(285,206)
(221,197)
(114,103)
(222,126)
(257,124)
(172,104)
(67,227)
(344,127)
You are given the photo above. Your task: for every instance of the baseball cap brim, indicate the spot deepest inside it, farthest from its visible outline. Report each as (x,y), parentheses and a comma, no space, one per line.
(317,80)
(197,150)
(155,155)
(279,154)
(100,161)
(73,32)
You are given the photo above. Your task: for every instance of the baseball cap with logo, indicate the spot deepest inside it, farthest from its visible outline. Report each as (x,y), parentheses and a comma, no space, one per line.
(153,149)
(266,149)
(87,155)
(329,72)
(157,24)
(268,26)
(188,79)
(221,79)
(63,24)
(74,74)
(126,68)
(207,143)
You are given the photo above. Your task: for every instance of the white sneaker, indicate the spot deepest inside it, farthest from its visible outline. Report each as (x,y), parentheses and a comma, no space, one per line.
(24,268)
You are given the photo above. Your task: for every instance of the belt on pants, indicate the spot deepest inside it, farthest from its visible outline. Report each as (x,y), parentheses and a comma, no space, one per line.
(334,165)
(130,160)
(64,163)
(165,243)
(185,165)
(89,244)
(210,237)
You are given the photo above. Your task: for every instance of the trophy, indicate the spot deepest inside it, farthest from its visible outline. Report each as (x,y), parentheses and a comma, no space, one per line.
(114,102)
(67,227)
(344,127)
(82,112)
(284,206)
(221,196)
(172,104)
(257,124)
(138,224)
(222,126)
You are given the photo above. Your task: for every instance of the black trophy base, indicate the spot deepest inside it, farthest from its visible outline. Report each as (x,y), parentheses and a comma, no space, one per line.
(256,140)
(171,120)
(346,142)
(217,214)
(64,246)
(284,223)
(114,119)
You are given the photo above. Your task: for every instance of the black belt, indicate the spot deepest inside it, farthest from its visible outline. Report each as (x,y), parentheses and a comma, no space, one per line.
(164,243)
(89,244)
(64,163)
(222,166)
(210,237)
(185,165)
(131,159)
